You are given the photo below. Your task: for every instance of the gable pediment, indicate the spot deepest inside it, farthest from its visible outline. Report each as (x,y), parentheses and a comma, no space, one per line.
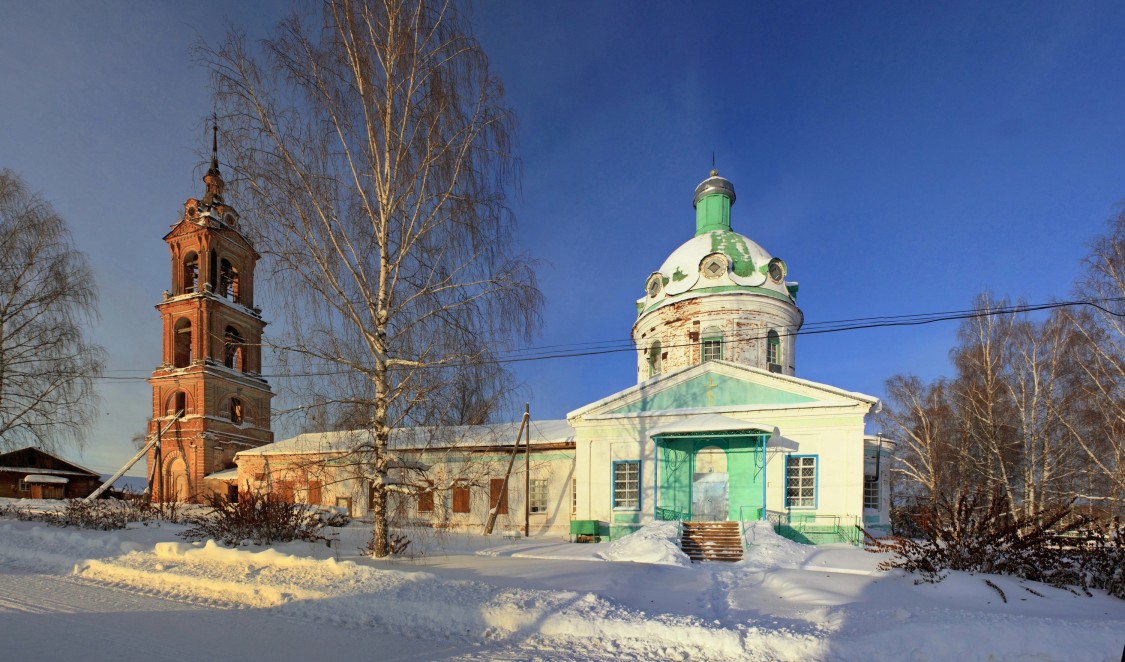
(719,384)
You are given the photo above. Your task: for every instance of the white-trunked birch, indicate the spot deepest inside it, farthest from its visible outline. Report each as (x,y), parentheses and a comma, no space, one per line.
(377,153)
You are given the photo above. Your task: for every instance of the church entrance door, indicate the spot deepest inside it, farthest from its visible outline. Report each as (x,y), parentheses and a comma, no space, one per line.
(710,485)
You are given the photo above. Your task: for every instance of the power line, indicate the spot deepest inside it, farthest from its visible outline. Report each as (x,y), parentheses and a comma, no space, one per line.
(602,347)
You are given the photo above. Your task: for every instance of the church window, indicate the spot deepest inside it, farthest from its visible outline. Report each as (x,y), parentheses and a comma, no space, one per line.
(191,273)
(627,485)
(871,493)
(776,270)
(711,346)
(181,350)
(461,497)
(655,282)
(233,348)
(537,502)
(426,498)
(773,351)
(714,266)
(800,481)
(236,410)
(655,362)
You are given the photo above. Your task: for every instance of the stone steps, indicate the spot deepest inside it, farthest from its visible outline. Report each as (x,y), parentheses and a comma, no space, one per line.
(712,541)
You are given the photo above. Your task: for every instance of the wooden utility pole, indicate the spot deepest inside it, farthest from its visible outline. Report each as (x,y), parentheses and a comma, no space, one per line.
(527,481)
(495,509)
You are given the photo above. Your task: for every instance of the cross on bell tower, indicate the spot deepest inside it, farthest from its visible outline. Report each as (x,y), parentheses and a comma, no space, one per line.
(209,400)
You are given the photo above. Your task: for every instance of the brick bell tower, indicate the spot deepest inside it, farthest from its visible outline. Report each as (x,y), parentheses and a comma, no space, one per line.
(210,374)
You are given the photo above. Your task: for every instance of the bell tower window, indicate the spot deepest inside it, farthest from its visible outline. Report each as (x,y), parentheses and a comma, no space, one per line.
(228,281)
(236,410)
(233,350)
(191,273)
(773,351)
(181,344)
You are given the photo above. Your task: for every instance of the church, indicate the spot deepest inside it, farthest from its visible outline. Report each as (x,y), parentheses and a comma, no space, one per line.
(717,428)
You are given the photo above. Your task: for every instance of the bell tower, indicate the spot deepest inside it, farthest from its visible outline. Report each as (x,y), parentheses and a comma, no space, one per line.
(209,400)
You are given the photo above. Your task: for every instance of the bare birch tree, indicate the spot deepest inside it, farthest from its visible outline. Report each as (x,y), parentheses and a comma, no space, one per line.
(47,294)
(376,151)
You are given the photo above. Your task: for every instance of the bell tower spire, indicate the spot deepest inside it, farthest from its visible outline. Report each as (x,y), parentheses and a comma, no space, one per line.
(209,399)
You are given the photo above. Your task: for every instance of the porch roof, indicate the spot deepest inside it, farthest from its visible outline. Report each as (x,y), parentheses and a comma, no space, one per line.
(711,423)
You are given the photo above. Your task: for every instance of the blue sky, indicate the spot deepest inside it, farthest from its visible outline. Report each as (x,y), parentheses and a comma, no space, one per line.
(901,157)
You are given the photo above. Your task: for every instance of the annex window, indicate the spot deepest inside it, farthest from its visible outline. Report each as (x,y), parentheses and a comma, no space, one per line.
(236,410)
(773,351)
(655,361)
(870,493)
(191,273)
(181,348)
(426,498)
(627,485)
(345,503)
(24,486)
(497,496)
(537,502)
(800,481)
(233,348)
(314,494)
(573,498)
(461,498)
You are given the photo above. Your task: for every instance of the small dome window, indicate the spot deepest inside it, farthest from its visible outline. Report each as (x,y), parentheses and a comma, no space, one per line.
(714,266)
(655,284)
(777,270)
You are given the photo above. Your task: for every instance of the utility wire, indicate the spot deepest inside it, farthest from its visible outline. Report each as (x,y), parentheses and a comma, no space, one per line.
(602,347)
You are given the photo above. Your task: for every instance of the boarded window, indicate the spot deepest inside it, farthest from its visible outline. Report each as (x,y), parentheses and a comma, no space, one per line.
(461,498)
(498,496)
(314,492)
(426,498)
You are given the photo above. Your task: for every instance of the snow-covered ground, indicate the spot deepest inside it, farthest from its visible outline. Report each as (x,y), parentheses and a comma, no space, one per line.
(132,594)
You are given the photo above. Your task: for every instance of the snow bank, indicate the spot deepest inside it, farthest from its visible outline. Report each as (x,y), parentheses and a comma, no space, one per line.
(656,543)
(766,549)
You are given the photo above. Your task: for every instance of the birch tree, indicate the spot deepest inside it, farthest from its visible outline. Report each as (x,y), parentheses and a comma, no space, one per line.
(47,295)
(376,151)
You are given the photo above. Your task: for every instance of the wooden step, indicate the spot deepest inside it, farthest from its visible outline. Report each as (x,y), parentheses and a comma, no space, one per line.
(712,541)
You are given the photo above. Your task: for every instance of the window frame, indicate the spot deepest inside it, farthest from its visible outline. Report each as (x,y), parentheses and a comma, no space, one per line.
(538,496)
(23,486)
(710,342)
(773,348)
(425,497)
(815,482)
(622,503)
(875,490)
(574,497)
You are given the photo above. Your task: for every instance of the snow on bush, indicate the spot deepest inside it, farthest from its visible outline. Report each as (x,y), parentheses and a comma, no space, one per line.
(656,543)
(257,519)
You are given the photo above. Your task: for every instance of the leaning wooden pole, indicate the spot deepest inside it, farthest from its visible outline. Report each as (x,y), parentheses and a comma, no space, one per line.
(495,509)
(136,458)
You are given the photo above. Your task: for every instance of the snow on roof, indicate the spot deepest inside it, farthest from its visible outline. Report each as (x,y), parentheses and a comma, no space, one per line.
(77,466)
(40,478)
(710,423)
(41,470)
(225,474)
(420,438)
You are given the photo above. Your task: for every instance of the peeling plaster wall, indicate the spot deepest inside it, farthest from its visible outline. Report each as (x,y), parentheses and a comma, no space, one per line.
(742,319)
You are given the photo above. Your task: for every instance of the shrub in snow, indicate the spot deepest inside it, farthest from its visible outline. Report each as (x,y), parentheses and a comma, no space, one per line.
(1101,555)
(978,532)
(255,518)
(100,514)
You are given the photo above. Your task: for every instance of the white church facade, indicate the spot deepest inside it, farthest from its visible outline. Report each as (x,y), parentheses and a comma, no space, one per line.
(717,428)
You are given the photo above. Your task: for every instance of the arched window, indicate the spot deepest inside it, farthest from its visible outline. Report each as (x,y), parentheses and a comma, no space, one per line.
(191,273)
(181,343)
(233,349)
(773,351)
(228,280)
(655,364)
(711,345)
(236,410)
(176,403)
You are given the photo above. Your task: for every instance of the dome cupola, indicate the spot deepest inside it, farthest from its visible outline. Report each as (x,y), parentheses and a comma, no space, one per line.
(717,285)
